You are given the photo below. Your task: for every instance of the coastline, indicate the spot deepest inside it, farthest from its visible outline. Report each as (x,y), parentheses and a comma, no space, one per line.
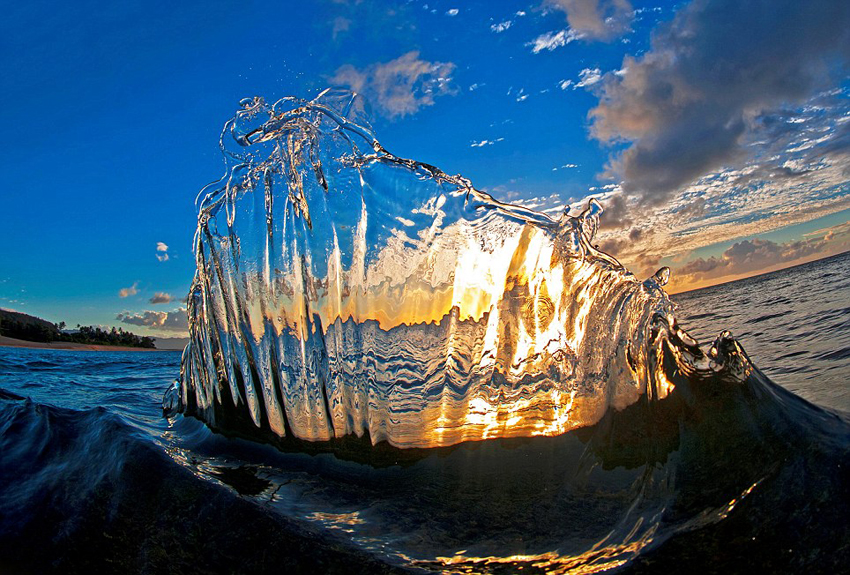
(66,345)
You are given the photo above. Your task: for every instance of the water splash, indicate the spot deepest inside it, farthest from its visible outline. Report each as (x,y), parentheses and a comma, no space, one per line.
(344,291)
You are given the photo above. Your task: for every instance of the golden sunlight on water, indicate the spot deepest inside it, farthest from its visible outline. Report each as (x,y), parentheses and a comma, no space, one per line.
(382,297)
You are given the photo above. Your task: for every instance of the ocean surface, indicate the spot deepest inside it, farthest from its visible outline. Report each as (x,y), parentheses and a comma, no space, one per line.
(93,478)
(794,324)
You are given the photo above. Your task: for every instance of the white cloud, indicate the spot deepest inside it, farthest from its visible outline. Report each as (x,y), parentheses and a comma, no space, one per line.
(452,12)
(483,143)
(128,291)
(588,77)
(501,26)
(162,251)
(553,40)
(564,84)
(399,87)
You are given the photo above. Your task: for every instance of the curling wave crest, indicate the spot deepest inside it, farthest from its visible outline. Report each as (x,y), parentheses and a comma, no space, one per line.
(342,291)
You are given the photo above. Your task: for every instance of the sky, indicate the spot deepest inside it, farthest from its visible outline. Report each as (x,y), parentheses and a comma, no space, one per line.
(715,132)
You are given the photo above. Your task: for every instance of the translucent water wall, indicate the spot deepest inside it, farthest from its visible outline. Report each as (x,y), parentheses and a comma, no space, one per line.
(343,291)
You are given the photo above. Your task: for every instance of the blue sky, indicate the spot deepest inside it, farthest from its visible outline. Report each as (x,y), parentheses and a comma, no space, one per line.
(717,133)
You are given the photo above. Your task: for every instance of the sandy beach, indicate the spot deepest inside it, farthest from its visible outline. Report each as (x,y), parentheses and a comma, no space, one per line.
(12,342)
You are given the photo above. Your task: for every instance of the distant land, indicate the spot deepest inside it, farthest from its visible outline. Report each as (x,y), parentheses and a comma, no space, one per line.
(23,330)
(67,345)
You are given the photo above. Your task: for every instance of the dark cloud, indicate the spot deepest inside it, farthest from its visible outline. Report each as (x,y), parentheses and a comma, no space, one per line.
(161,297)
(401,86)
(750,256)
(616,213)
(173,320)
(596,19)
(613,246)
(686,105)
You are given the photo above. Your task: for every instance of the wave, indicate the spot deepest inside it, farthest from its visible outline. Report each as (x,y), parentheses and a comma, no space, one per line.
(344,291)
(520,398)
(83,492)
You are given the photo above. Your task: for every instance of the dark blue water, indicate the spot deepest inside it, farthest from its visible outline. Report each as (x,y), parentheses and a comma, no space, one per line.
(794,324)
(736,477)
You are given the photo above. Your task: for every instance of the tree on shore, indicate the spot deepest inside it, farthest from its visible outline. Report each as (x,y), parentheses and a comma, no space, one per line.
(31,328)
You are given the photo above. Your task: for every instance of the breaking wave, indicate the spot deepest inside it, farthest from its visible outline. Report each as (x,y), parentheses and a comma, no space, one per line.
(343,291)
(522,400)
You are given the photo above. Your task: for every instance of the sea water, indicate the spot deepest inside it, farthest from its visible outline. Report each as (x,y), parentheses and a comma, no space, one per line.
(391,370)
(93,476)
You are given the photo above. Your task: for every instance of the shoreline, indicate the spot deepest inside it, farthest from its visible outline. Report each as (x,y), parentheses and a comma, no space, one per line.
(67,345)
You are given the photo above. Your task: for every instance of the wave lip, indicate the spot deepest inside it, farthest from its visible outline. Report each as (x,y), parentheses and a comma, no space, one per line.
(344,291)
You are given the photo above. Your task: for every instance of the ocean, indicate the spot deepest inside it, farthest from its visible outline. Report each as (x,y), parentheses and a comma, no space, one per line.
(93,477)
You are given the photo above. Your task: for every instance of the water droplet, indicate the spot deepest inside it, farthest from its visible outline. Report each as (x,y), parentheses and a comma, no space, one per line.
(686,338)
(594,208)
(662,276)
(589,218)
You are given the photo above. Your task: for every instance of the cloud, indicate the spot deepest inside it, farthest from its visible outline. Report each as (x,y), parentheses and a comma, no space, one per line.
(128,291)
(172,321)
(687,106)
(340,25)
(596,19)
(588,77)
(483,143)
(452,12)
(162,252)
(161,297)
(399,87)
(748,257)
(553,40)
(501,26)
(798,173)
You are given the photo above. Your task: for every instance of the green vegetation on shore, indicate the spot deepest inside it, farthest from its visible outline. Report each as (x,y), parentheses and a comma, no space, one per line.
(30,328)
